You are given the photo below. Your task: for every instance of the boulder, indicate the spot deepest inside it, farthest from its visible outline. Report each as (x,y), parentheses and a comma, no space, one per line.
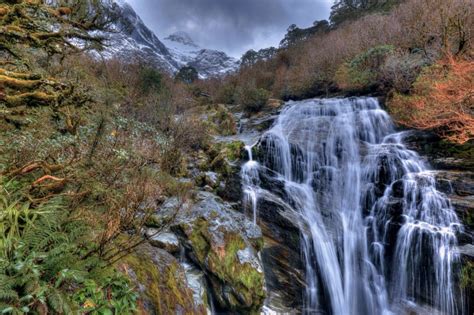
(161,282)
(163,239)
(441,154)
(225,245)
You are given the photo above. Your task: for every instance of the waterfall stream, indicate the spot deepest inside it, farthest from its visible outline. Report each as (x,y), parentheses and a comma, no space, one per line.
(375,232)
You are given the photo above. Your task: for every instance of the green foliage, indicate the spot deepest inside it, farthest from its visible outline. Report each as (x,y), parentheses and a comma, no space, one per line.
(150,80)
(364,69)
(296,35)
(44,266)
(253,99)
(113,297)
(467,276)
(226,94)
(251,57)
(346,10)
(187,74)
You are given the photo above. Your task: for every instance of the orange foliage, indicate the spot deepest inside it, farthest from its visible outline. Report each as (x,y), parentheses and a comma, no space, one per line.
(419,30)
(441,100)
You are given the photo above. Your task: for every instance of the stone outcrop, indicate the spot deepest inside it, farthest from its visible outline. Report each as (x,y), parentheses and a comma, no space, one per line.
(160,281)
(225,245)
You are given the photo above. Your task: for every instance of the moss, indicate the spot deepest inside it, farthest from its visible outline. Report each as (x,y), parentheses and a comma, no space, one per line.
(247,282)
(234,150)
(222,154)
(224,120)
(223,262)
(14,83)
(155,221)
(172,186)
(468,219)
(257,152)
(221,165)
(164,284)
(467,276)
(199,236)
(446,149)
(30,99)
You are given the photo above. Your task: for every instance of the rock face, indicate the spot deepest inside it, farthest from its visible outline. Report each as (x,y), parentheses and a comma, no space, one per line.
(225,245)
(207,62)
(135,40)
(161,282)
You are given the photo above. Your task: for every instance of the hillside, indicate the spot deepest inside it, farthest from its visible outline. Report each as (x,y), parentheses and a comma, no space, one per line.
(331,175)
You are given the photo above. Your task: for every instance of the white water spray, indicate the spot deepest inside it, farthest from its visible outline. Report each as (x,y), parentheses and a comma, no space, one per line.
(377,233)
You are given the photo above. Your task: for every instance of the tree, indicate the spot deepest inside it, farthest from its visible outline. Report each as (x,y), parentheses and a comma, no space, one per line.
(44,27)
(187,74)
(295,34)
(251,57)
(344,10)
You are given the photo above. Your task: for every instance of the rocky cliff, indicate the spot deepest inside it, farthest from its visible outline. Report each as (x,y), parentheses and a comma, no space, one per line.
(134,40)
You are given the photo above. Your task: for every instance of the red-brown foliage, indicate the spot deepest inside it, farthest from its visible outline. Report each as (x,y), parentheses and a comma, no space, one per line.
(442,100)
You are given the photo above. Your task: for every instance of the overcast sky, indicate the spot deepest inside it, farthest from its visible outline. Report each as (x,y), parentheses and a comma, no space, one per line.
(233,26)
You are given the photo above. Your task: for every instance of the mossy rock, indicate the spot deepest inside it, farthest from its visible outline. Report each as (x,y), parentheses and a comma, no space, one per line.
(224,120)
(225,245)
(160,281)
(467,276)
(240,285)
(234,150)
(228,153)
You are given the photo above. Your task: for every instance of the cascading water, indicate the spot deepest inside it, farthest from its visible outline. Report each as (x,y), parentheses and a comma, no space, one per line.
(376,234)
(250,180)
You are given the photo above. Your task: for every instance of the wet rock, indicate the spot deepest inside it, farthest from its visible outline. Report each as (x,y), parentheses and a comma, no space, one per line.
(398,189)
(459,187)
(212,179)
(442,155)
(225,245)
(197,283)
(160,281)
(461,183)
(164,240)
(165,213)
(284,269)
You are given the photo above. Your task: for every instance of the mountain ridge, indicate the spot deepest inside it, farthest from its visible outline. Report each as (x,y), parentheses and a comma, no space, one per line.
(175,51)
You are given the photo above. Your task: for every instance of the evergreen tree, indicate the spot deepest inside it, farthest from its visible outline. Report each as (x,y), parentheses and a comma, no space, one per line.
(187,74)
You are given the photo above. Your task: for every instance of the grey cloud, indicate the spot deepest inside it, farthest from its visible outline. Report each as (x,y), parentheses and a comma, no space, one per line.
(230,25)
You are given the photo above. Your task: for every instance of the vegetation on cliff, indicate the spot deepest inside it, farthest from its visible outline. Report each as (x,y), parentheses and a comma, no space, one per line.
(377,47)
(88,148)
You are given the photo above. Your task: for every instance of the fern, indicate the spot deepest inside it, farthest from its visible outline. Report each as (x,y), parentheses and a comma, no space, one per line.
(42,265)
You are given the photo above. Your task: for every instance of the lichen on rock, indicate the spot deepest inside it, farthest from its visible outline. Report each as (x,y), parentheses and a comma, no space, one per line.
(225,245)
(161,282)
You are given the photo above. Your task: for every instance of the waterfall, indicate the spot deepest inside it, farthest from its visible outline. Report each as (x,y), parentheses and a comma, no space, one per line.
(375,234)
(250,180)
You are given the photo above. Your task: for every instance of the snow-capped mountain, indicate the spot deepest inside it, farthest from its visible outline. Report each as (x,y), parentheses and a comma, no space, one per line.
(133,39)
(208,62)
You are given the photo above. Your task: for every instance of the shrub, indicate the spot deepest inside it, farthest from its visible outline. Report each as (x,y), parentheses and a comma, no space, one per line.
(364,69)
(253,99)
(441,100)
(401,69)
(187,74)
(150,79)
(44,267)
(226,94)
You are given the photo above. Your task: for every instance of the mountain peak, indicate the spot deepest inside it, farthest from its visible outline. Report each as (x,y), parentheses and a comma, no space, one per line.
(182,38)
(174,52)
